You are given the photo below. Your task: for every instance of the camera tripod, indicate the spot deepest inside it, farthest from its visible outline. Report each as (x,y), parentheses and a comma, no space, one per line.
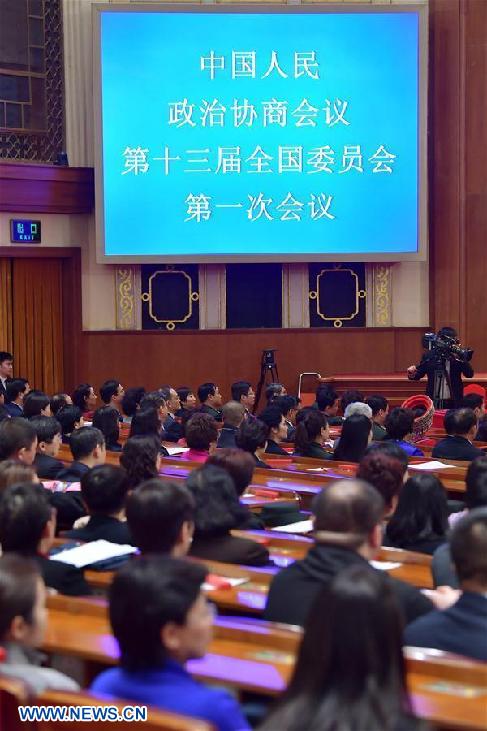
(267,365)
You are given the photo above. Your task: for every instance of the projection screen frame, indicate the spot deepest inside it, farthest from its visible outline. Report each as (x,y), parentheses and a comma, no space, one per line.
(254,8)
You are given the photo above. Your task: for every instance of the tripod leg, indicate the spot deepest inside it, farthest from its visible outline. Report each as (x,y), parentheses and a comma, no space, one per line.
(258,390)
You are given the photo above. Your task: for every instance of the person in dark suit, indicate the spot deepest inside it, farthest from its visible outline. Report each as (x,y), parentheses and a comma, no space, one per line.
(380,409)
(475,497)
(328,402)
(6,370)
(276,430)
(210,399)
(420,520)
(17,390)
(107,420)
(312,431)
(476,402)
(48,431)
(218,511)
(455,369)
(461,427)
(160,517)
(348,517)
(70,418)
(233,414)
(252,438)
(27,527)
(18,440)
(173,429)
(243,392)
(104,490)
(88,449)
(462,628)
(288,408)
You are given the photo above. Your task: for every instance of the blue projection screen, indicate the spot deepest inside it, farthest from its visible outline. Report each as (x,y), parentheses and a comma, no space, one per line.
(247,134)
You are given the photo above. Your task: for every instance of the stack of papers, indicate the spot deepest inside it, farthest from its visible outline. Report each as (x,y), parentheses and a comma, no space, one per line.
(432,465)
(90,553)
(302,526)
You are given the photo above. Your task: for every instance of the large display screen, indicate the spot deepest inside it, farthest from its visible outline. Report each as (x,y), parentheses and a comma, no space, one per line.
(244,134)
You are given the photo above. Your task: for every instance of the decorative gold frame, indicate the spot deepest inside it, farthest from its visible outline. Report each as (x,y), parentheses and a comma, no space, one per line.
(359,294)
(192,297)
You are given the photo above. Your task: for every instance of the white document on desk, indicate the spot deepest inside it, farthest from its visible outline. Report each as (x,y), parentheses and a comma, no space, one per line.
(430,466)
(92,552)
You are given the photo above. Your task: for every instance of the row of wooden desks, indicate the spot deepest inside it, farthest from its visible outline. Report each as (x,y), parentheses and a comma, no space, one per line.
(259,657)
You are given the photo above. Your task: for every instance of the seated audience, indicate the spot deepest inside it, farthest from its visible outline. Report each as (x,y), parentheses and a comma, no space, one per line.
(173,430)
(347,524)
(16,391)
(70,418)
(386,474)
(462,628)
(358,407)
(351,396)
(131,402)
(88,448)
(217,512)
(355,438)
(476,402)
(111,393)
(461,428)
(392,450)
(104,490)
(146,421)
(59,401)
(243,392)
(312,431)
(84,397)
(288,408)
(211,399)
(23,625)
(276,430)
(187,399)
(18,440)
(48,431)
(399,426)
(27,527)
(161,619)
(157,401)
(106,419)
(420,521)
(160,516)
(380,409)
(350,672)
(252,438)
(13,471)
(201,437)
(273,391)
(36,403)
(240,466)
(232,414)
(475,497)
(141,458)
(328,402)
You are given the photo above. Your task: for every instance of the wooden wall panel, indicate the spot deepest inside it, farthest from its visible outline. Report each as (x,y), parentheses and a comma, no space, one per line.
(46,189)
(153,359)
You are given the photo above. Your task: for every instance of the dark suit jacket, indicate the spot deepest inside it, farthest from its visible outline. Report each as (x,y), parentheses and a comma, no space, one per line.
(226,438)
(173,430)
(217,415)
(442,567)
(73,472)
(316,452)
(47,468)
(229,549)
(62,577)
(293,590)
(14,410)
(457,368)
(103,527)
(3,390)
(456,448)
(378,432)
(274,448)
(462,628)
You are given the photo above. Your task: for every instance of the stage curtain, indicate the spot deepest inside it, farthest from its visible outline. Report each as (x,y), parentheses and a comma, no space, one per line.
(37,322)
(6,341)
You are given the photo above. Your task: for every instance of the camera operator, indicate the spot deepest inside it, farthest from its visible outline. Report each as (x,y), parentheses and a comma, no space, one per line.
(447,360)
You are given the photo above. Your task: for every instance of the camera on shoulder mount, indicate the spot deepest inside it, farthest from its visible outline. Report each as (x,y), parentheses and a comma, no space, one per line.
(443,346)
